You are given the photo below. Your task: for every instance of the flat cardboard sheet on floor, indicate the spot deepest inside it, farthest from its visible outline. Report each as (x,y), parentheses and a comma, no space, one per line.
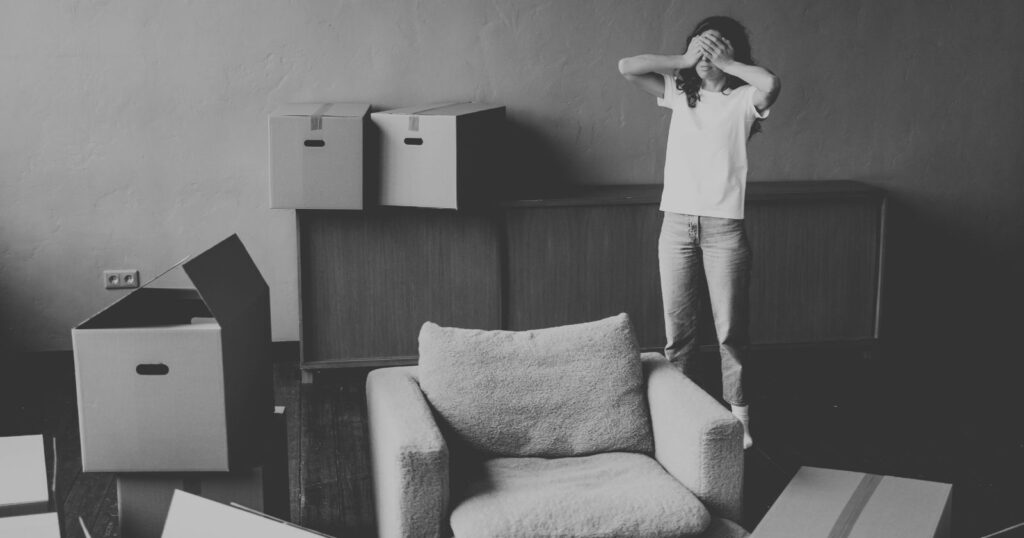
(829,503)
(162,387)
(23,486)
(192,516)
(32,526)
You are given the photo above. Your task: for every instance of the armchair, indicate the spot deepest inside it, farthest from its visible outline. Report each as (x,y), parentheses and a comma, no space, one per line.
(689,485)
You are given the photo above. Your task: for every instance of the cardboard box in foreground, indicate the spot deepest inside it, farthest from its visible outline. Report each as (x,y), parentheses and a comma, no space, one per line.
(31,526)
(192,516)
(143,499)
(23,486)
(826,502)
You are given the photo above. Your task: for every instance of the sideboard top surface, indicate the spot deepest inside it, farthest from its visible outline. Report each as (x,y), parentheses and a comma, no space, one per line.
(757,191)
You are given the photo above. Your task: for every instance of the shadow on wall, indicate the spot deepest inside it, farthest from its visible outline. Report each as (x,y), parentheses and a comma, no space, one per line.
(536,167)
(952,321)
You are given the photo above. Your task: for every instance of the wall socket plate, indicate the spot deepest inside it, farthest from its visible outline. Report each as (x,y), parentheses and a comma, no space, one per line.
(120,279)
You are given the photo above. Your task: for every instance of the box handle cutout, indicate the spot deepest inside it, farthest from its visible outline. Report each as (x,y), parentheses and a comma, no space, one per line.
(152,369)
(413,141)
(314,143)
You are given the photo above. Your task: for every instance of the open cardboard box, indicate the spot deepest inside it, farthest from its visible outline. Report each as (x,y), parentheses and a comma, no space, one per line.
(23,486)
(192,516)
(439,156)
(162,387)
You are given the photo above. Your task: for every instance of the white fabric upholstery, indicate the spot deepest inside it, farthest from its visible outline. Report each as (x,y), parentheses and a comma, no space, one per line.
(603,495)
(697,442)
(696,439)
(558,392)
(410,457)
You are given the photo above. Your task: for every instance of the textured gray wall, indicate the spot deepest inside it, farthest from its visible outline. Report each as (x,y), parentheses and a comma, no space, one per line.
(134,131)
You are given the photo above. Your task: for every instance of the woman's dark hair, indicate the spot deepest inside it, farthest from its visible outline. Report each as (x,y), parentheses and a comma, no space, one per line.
(689,82)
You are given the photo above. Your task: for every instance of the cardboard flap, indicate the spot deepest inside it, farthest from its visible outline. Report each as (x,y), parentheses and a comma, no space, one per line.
(148,306)
(459,109)
(335,110)
(226,277)
(419,110)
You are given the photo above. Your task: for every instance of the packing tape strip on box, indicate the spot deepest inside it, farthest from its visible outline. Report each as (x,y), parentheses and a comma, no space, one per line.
(414,119)
(316,119)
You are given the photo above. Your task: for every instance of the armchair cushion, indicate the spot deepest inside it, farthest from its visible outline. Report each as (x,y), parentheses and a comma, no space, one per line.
(611,494)
(558,392)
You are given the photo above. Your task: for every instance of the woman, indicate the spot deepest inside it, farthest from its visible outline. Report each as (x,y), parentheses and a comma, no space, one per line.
(717,97)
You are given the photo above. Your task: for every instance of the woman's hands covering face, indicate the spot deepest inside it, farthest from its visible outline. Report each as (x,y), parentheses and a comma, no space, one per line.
(715,48)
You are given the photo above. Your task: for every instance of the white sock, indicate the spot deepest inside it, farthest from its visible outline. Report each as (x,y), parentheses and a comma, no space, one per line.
(742,412)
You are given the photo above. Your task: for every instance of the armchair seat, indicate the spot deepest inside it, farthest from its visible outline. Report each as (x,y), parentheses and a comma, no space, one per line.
(609,494)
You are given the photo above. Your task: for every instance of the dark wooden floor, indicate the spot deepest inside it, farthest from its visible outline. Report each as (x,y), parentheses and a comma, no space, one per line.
(806,411)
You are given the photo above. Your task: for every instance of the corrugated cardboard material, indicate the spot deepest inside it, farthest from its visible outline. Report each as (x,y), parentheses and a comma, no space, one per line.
(143,499)
(32,526)
(843,504)
(23,486)
(192,516)
(158,393)
(440,156)
(317,156)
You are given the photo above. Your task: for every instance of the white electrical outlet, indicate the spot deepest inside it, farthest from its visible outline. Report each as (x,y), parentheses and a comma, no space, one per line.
(119,279)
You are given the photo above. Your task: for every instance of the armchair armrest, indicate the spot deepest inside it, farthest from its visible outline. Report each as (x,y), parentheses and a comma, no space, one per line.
(696,440)
(409,456)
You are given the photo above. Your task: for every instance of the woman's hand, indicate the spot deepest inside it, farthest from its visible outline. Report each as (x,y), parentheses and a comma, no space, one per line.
(716,48)
(693,53)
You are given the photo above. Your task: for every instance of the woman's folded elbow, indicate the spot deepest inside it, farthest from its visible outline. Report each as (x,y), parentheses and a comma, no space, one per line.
(624,67)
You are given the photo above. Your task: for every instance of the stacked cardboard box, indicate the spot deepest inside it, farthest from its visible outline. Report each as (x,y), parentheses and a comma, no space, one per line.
(175,389)
(440,156)
(318,156)
(324,156)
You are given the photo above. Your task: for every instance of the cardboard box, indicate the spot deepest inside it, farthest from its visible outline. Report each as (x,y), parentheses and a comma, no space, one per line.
(31,526)
(23,486)
(821,502)
(143,499)
(317,156)
(192,516)
(439,156)
(159,393)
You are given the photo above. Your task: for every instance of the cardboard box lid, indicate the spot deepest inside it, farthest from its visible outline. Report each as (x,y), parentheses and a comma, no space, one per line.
(23,471)
(441,109)
(333,110)
(191,516)
(226,280)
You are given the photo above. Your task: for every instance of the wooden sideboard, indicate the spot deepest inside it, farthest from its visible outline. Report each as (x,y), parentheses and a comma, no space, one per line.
(369,279)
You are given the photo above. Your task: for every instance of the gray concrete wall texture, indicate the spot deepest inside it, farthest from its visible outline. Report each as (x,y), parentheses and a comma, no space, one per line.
(134,131)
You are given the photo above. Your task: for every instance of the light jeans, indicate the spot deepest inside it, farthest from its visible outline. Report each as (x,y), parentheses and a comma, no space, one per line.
(691,248)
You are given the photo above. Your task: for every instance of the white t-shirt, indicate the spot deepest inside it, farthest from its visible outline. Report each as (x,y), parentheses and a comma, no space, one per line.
(706,156)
